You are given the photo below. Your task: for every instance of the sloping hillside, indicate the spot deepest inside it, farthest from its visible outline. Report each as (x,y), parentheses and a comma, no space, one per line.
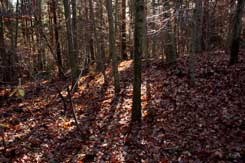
(181,122)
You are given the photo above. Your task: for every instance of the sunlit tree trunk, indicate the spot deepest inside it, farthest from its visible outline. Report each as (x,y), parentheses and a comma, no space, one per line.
(112,47)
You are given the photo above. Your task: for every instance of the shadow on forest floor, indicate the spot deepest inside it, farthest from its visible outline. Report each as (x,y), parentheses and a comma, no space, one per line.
(180,122)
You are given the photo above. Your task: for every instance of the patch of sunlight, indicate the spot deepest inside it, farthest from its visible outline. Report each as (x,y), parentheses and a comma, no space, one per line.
(99,79)
(125,65)
(36,157)
(45,82)
(82,78)
(19,131)
(64,93)
(67,124)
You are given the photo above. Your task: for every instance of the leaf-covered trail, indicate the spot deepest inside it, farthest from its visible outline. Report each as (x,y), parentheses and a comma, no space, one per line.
(180,123)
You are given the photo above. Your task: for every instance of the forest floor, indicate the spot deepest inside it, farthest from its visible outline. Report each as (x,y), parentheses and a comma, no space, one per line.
(181,122)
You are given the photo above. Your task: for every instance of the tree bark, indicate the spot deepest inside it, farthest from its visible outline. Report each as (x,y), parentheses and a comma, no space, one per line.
(112,47)
(138,50)
(2,49)
(74,32)
(57,42)
(196,42)
(123,32)
(70,41)
(198,21)
(98,58)
(235,34)
(169,47)
(154,28)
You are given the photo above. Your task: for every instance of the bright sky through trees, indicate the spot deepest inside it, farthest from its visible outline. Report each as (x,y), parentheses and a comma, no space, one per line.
(13,1)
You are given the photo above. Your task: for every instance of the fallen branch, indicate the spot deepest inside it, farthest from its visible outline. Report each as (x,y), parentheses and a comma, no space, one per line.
(72,108)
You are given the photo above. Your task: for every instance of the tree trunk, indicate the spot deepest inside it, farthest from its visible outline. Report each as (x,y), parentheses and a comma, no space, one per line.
(74,36)
(146,42)
(235,33)
(198,21)
(39,40)
(154,28)
(112,47)
(6,55)
(98,58)
(2,48)
(123,32)
(138,50)
(102,42)
(57,42)
(195,39)
(70,41)
(169,47)
(17,24)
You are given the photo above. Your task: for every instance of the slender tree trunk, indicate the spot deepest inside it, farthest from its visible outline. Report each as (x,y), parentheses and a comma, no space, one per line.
(131,26)
(102,42)
(235,33)
(116,22)
(74,35)
(146,42)
(169,45)
(2,49)
(195,48)
(39,40)
(12,53)
(138,50)
(88,35)
(6,57)
(198,21)
(70,41)
(17,24)
(57,42)
(123,32)
(205,26)
(154,26)
(112,47)
(98,51)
